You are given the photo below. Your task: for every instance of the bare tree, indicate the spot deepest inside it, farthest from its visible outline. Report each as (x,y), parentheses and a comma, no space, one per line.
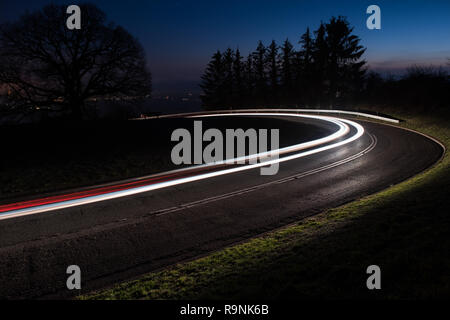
(44,65)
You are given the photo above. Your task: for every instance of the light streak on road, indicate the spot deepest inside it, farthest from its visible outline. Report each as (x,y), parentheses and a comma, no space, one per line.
(169,179)
(343,130)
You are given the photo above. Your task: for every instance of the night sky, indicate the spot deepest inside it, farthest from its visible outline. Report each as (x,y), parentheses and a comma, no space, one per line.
(180,36)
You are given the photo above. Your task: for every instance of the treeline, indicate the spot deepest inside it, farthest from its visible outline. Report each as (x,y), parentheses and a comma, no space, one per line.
(326,70)
(420,89)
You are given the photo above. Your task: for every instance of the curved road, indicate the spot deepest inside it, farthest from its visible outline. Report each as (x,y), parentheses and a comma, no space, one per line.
(126,236)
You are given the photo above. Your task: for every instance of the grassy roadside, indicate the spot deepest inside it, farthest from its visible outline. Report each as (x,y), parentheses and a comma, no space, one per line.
(404,230)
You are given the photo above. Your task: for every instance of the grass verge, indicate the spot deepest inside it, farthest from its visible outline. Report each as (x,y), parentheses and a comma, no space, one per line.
(404,230)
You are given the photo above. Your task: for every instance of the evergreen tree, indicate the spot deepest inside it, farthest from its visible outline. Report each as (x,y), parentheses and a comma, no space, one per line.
(259,63)
(328,69)
(212,83)
(273,71)
(305,69)
(345,67)
(239,86)
(228,81)
(306,42)
(320,64)
(249,81)
(287,71)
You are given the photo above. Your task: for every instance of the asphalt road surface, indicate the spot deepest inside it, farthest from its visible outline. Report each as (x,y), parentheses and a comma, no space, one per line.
(124,237)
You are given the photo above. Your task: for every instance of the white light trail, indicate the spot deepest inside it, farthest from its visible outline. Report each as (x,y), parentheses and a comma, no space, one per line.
(342,124)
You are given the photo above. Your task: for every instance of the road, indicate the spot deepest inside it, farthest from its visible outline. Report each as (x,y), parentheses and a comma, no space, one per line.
(122,237)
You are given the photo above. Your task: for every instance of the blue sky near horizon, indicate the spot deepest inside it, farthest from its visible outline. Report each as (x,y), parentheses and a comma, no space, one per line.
(180,36)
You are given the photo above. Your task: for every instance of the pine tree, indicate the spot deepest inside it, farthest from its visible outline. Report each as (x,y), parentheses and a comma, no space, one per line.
(320,52)
(305,69)
(273,71)
(306,42)
(249,81)
(287,71)
(228,81)
(345,67)
(212,83)
(238,70)
(259,62)
(327,69)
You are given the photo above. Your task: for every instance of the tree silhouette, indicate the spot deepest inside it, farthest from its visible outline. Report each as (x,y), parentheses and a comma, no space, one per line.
(273,71)
(249,81)
(260,64)
(238,77)
(320,66)
(212,82)
(306,42)
(228,81)
(421,89)
(327,69)
(47,66)
(287,69)
(344,67)
(305,77)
